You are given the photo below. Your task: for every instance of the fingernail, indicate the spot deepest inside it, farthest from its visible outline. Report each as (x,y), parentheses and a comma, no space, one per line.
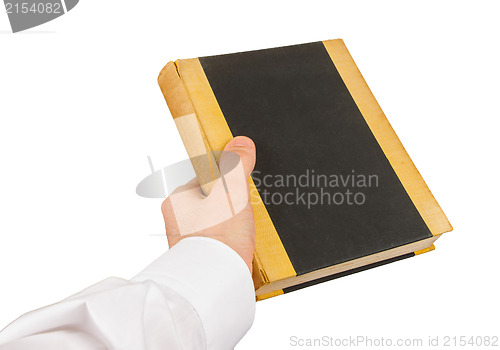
(241,142)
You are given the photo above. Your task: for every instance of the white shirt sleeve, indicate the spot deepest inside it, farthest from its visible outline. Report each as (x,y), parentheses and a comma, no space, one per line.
(198,295)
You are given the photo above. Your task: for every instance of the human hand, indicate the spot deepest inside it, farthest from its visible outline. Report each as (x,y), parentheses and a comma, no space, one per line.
(226,213)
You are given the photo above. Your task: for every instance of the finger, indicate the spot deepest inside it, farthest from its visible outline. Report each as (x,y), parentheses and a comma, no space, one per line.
(244,147)
(237,162)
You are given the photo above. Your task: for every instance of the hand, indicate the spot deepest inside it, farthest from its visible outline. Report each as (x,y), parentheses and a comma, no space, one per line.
(226,214)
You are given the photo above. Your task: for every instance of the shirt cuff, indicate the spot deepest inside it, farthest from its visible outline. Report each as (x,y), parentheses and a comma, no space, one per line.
(217,283)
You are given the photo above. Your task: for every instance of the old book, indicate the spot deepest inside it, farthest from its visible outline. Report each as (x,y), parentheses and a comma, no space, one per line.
(360,203)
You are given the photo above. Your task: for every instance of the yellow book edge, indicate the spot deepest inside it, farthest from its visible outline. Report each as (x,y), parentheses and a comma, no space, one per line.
(280,291)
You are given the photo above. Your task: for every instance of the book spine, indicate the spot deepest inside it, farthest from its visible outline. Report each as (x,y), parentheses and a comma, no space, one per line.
(190,130)
(195,142)
(259,275)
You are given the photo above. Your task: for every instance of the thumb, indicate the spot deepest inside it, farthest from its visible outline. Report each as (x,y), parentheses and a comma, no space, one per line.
(244,148)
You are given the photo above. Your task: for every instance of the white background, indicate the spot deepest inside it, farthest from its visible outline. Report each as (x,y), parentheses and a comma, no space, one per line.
(80,110)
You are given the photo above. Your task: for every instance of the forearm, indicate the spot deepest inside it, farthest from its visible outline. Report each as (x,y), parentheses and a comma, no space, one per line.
(198,295)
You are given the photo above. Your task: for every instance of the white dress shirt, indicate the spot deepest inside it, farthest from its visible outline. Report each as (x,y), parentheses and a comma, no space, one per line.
(198,295)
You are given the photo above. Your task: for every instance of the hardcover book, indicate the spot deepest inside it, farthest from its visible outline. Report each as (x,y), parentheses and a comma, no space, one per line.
(333,191)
